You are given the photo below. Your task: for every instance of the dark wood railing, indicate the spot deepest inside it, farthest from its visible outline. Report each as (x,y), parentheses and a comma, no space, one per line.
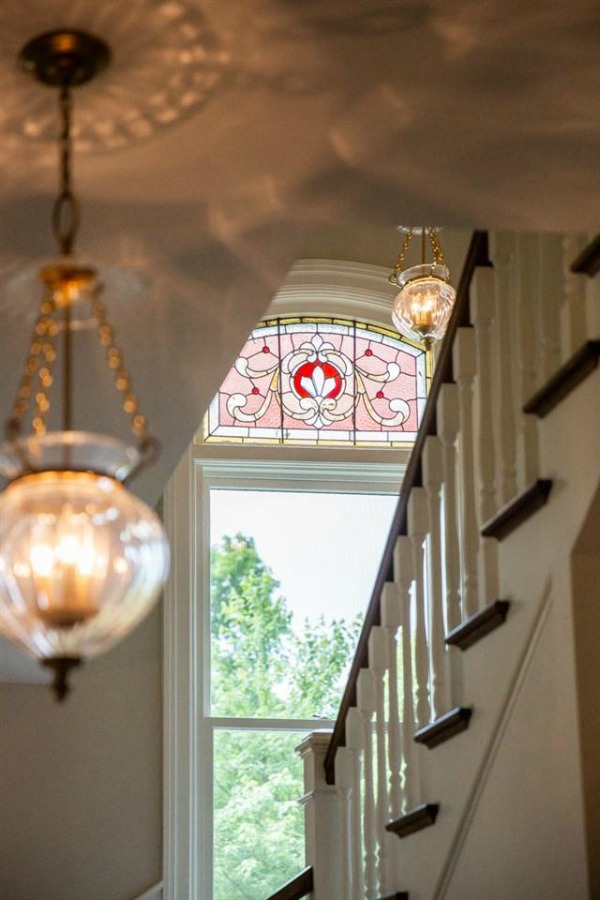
(299,886)
(588,261)
(477,255)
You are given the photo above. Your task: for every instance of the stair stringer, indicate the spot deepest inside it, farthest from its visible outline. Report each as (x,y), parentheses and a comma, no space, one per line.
(534,566)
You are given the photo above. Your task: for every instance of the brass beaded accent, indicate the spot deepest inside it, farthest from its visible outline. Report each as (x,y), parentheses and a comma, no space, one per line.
(41,350)
(123,382)
(63,282)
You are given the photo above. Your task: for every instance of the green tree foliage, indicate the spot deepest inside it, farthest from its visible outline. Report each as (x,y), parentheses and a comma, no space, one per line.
(262,667)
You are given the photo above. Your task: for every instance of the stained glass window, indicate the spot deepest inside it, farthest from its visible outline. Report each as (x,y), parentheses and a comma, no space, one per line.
(319,381)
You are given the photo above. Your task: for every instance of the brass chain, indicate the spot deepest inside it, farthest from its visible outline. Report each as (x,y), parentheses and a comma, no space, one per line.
(60,280)
(438,254)
(123,381)
(41,349)
(399,264)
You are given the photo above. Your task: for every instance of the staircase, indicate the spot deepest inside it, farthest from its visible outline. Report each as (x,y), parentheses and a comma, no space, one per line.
(464,760)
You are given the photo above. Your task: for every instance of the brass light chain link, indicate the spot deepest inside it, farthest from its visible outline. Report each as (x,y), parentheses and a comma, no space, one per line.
(438,255)
(399,264)
(123,381)
(41,350)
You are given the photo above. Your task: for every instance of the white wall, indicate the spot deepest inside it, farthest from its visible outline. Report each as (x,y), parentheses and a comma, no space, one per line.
(586,596)
(81,783)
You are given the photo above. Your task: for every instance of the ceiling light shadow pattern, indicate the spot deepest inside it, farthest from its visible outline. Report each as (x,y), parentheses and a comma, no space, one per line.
(167,63)
(361,17)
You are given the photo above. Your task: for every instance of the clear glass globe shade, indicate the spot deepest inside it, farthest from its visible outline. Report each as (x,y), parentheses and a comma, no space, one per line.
(423,307)
(82,561)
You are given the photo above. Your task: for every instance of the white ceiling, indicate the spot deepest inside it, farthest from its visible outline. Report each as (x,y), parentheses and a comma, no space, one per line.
(280,129)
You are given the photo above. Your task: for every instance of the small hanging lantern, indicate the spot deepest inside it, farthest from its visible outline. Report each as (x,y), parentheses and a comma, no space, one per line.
(81,560)
(422,309)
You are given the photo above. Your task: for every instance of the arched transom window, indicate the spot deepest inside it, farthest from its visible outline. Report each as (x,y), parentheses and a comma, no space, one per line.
(321,381)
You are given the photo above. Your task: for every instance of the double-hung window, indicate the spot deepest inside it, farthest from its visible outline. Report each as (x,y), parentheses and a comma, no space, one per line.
(278,516)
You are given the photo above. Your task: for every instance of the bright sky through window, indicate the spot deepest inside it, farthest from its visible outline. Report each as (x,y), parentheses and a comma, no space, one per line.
(324,548)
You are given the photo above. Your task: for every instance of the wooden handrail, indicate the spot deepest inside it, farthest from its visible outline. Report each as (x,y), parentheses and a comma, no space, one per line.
(588,261)
(477,255)
(296,888)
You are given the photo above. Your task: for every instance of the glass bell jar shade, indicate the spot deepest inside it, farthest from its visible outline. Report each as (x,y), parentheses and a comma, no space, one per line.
(422,308)
(82,560)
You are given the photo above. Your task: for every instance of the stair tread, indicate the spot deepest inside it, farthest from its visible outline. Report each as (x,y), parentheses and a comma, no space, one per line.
(518,510)
(568,377)
(478,625)
(414,820)
(444,727)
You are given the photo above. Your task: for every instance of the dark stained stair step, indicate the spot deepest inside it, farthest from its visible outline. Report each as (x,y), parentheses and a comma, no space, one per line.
(444,727)
(418,818)
(518,510)
(478,625)
(588,261)
(574,371)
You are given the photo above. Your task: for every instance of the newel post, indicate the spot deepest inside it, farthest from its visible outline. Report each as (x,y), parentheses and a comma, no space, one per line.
(323,819)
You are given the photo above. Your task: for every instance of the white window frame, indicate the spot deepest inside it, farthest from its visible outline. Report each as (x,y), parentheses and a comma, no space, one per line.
(328,287)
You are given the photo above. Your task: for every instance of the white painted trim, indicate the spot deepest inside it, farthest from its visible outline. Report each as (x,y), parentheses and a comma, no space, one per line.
(182,813)
(340,287)
(370,455)
(307,475)
(240,723)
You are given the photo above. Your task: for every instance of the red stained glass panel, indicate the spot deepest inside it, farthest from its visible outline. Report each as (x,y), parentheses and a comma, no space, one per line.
(320,381)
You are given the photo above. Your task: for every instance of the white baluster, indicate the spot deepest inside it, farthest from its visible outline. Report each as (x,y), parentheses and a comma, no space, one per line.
(355,743)
(551,298)
(482,316)
(322,812)
(378,666)
(344,771)
(433,475)
(418,526)
(592,308)
(447,427)
(464,367)
(366,704)
(391,619)
(527,345)
(573,318)
(404,577)
(503,254)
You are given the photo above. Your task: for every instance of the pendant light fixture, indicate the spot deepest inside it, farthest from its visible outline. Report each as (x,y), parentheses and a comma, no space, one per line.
(81,559)
(422,309)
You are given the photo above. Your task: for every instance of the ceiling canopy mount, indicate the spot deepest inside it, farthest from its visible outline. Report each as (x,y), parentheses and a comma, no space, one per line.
(64,57)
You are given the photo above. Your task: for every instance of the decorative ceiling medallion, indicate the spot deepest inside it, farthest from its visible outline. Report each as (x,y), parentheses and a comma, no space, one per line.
(167,62)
